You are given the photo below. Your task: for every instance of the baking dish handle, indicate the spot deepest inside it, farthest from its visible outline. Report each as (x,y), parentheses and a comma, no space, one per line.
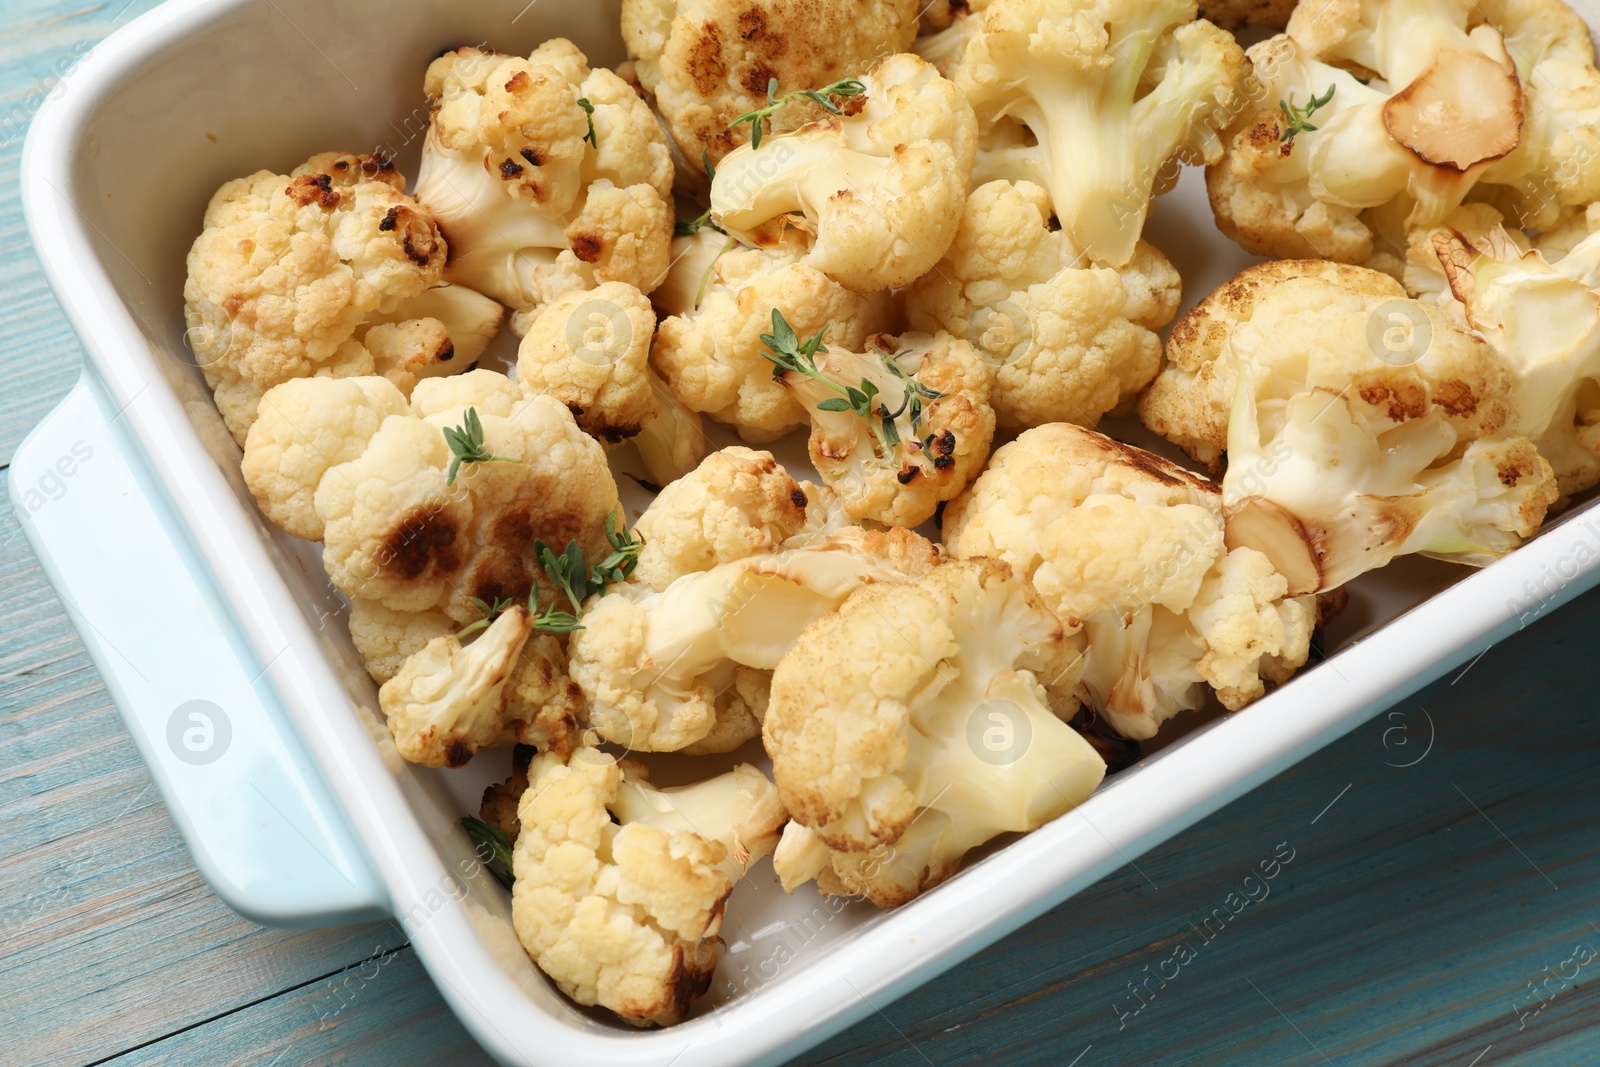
(245,794)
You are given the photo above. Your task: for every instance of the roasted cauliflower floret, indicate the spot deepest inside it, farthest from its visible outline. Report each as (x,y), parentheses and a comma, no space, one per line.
(658,669)
(304,428)
(1097,100)
(896,430)
(708,349)
(946,27)
(1359,425)
(707,62)
(591,351)
(508,685)
(328,270)
(533,204)
(411,523)
(1371,120)
(880,186)
(1544,319)
(1064,341)
(912,725)
(1129,549)
(737,503)
(620,888)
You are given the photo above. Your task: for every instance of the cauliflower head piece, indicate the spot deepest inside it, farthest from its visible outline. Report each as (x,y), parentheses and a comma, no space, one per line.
(737,503)
(509,685)
(912,725)
(659,668)
(718,301)
(896,430)
(620,888)
(1359,425)
(1097,100)
(329,270)
(590,349)
(878,187)
(1544,319)
(707,62)
(1129,550)
(1368,121)
(545,175)
(1064,341)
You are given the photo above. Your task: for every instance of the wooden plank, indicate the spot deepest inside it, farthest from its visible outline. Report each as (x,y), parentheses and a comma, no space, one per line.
(42,42)
(108,936)
(383,1010)
(1406,928)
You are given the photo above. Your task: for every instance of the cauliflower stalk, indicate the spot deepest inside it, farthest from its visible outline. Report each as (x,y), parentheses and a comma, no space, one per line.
(912,725)
(659,668)
(620,888)
(1359,425)
(1129,550)
(545,176)
(895,431)
(330,270)
(879,185)
(1544,319)
(718,302)
(1108,93)
(1064,341)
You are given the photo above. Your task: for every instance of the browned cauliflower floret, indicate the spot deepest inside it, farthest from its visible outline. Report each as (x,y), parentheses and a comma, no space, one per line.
(659,669)
(709,347)
(400,531)
(1064,341)
(912,725)
(707,62)
(620,887)
(1397,114)
(895,430)
(737,503)
(328,270)
(591,351)
(1129,549)
(532,204)
(878,188)
(1359,425)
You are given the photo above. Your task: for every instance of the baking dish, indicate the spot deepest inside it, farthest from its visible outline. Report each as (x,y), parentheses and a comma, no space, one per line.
(297,817)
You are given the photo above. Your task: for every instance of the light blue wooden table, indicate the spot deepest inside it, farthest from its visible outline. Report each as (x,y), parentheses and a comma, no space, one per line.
(1436,898)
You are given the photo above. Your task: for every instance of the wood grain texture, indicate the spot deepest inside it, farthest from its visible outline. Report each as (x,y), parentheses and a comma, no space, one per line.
(1417,913)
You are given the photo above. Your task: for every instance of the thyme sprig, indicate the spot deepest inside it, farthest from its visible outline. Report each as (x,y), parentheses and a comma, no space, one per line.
(1297,120)
(467,445)
(493,850)
(588,110)
(844,88)
(788,353)
(576,579)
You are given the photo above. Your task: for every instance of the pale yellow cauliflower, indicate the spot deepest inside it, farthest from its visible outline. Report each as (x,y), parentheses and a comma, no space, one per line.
(1129,550)
(912,725)
(1434,102)
(1359,425)
(708,349)
(1064,341)
(532,205)
(709,61)
(658,669)
(620,888)
(878,189)
(591,351)
(924,433)
(329,270)
(737,503)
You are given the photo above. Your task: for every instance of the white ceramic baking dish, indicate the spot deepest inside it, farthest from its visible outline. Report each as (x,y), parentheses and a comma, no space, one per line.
(182,593)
